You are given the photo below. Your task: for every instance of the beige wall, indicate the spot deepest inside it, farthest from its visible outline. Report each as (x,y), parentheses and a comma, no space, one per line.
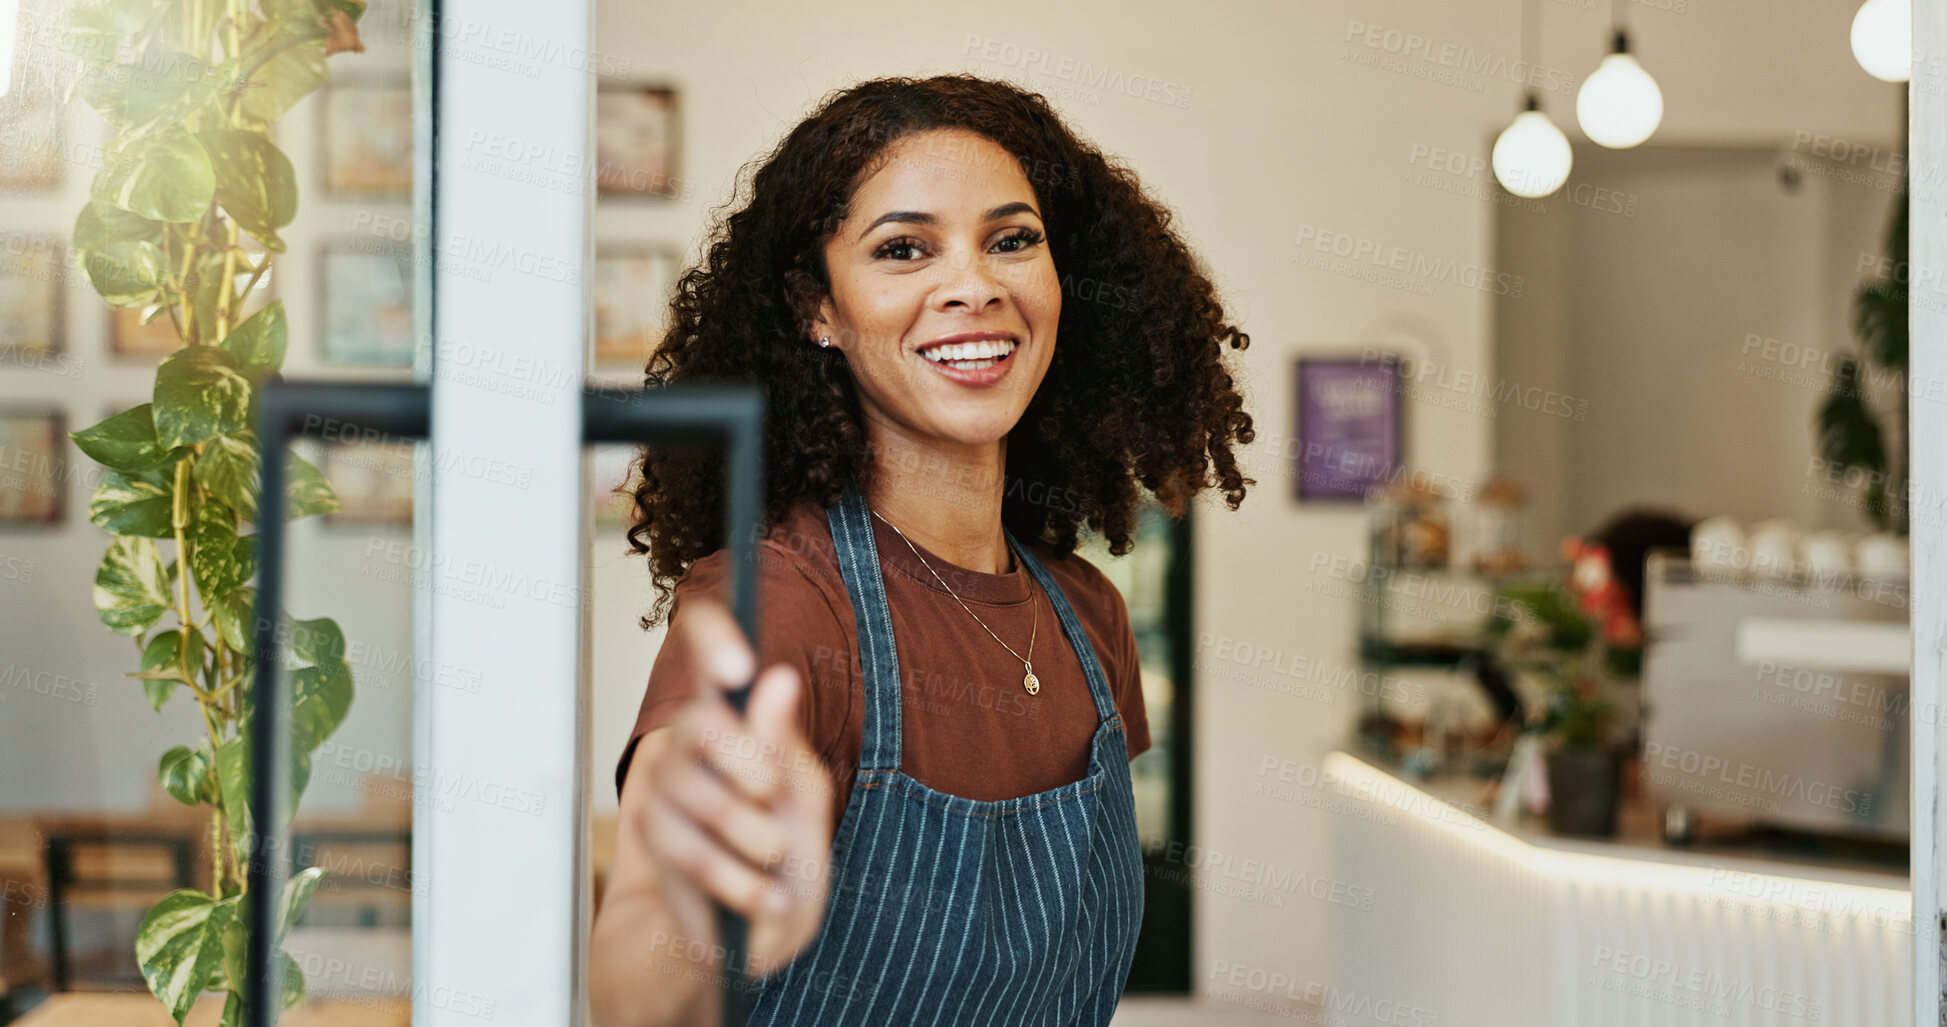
(1696,320)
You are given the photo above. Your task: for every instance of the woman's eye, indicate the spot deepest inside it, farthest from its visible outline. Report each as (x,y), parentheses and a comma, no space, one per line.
(886,251)
(1025,238)
(897,249)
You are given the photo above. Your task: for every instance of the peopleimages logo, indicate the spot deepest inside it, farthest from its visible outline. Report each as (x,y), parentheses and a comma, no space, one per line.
(1751,777)
(1427,380)
(1080,72)
(1409,262)
(1337,1004)
(1462,59)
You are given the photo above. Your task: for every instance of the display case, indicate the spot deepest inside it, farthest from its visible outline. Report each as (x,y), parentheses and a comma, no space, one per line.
(1776,700)
(1155,581)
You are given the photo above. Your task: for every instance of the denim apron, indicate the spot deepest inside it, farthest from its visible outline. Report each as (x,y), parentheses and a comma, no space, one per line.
(945,910)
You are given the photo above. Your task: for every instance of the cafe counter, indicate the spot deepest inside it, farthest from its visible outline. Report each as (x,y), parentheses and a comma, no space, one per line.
(1478,920)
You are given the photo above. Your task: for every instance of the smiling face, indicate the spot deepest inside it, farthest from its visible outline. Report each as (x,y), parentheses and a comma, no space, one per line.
(943,254)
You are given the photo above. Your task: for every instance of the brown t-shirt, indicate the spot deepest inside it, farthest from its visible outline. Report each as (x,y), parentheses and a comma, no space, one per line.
(968,728)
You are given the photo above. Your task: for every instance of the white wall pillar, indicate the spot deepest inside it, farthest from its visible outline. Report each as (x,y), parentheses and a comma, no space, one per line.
(498,811)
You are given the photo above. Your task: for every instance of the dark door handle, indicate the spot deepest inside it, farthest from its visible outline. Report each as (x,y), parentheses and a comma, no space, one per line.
(727,416)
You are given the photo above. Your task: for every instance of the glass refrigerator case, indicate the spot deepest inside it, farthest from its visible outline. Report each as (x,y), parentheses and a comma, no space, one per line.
(1154,579)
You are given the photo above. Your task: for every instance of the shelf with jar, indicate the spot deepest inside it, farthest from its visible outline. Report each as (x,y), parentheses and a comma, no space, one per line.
(1437,572)
(1434,567)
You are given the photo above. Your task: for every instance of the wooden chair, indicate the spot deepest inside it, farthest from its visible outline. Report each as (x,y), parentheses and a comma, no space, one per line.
(116,869)
(23,896)
(369,856)
(369,880)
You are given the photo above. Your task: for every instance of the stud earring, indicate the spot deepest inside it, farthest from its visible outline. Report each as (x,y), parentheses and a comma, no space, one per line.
(825,341)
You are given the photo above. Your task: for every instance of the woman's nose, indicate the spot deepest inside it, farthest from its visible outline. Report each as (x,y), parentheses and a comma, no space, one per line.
(970,282)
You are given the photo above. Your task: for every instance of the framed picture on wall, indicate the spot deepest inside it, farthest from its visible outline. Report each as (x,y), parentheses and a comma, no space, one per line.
(130,339)
(374,482)
(33,467)
(612,466)
(30,125)
(633,286)
(1349,431)
(33,81)
(365,303)
(32,130)
(31,273)
(637,142)
(367,137)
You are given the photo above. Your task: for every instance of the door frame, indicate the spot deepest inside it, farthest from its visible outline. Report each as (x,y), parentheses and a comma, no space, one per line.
(1927,489)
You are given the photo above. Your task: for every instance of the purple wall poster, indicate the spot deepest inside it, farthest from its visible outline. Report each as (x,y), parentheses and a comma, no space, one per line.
(1348,427)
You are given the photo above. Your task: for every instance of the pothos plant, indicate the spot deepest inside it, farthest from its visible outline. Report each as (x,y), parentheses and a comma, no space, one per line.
(190,90)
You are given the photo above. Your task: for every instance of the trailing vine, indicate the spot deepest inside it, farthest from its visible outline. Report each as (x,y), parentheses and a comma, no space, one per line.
(183,223)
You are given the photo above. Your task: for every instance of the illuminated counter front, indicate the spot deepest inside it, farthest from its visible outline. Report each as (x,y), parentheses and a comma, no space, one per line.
(1481,923)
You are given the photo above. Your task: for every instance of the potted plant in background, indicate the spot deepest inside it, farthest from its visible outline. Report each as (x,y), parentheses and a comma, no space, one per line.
(1578,637)
(1851,426)
(190,91)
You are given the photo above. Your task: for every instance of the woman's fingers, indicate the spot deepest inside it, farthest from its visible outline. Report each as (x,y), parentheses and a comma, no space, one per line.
(741,806)
(802,798)
(742,774)
(715,737)
(773,710)
(751,830)
(739,814)
(804,790)
(704,861)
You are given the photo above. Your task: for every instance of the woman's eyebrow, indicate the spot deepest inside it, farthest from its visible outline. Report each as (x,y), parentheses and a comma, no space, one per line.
(920,217)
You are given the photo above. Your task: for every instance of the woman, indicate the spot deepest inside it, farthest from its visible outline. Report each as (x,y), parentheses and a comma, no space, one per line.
(925,812)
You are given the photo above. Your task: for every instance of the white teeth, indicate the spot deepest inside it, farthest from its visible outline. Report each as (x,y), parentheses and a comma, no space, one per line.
(986,352)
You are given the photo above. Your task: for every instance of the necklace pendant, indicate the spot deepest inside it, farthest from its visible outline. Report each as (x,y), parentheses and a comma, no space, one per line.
(1031,683)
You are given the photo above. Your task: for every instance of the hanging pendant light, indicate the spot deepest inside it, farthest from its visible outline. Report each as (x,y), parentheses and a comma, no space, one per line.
(1619,104)
(1882,39)
(1532,158)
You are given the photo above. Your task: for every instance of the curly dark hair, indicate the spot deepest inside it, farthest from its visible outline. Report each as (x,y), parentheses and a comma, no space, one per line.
(1137,390)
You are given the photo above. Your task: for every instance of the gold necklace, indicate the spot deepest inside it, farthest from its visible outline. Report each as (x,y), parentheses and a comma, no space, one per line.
(1029,682)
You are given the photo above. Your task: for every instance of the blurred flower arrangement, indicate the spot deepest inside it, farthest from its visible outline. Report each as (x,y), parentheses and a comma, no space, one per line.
(1578,635)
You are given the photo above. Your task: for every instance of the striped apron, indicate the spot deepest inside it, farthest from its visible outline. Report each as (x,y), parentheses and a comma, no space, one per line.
(945,910)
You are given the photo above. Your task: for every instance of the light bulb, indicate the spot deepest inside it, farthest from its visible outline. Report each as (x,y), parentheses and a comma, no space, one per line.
(1882,39)
(1619,104)
(1532,158)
